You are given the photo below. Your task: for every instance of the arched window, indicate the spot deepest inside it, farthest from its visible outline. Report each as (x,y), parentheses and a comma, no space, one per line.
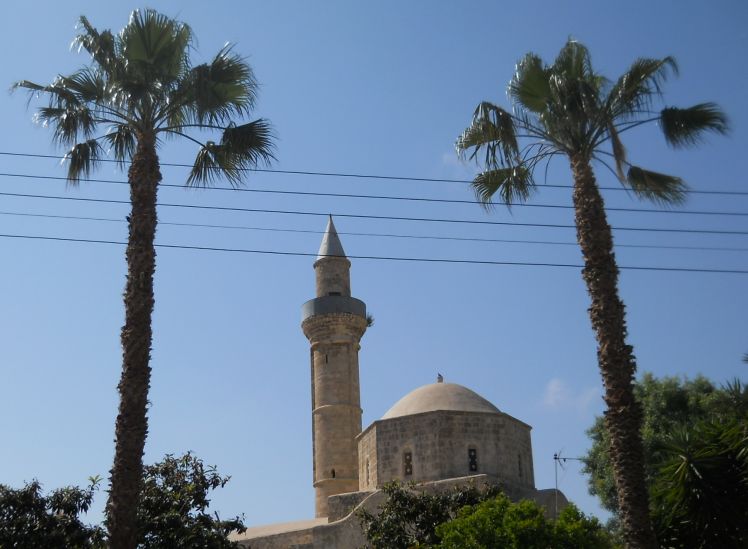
(332,473)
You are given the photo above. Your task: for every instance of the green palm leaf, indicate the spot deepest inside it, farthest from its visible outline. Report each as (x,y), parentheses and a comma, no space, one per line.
(685,127)
(657,187)
(82,159)
(101,46)
(529,86)
(241,148)
(122,142)
(635,89)
(156,47)
(512,185)
(492,129)
(217,91)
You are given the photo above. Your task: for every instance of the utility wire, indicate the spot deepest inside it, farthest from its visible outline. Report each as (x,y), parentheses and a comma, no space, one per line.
(381,197)
(380,258)
(366,176)
(382,217)
(380,235)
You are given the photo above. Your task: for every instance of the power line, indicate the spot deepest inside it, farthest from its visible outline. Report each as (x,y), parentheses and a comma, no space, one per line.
(381,235)
(369,176)
(380,258)
(380,217)
(382,197)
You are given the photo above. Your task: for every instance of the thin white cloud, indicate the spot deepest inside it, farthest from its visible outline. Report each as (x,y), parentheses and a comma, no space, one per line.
(558,395)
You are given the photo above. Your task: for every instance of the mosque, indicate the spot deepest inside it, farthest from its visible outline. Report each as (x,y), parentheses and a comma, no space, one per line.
(438,436)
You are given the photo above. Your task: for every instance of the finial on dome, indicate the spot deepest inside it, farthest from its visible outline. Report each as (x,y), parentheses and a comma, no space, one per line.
(331,246)
(439,378)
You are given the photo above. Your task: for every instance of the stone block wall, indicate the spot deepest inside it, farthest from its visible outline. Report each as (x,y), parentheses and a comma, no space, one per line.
(439,444)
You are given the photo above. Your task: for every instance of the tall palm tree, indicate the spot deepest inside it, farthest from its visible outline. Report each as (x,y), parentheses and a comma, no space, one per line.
(568,109)
(140,89)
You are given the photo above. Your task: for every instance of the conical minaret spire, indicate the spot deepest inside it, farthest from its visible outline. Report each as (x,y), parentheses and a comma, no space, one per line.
(331,245)
(334,323)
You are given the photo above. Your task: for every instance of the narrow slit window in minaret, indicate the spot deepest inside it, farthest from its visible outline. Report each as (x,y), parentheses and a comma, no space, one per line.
(332,473)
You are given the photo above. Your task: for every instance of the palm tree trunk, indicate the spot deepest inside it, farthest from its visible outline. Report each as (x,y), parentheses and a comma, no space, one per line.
(132,423)
(623,418)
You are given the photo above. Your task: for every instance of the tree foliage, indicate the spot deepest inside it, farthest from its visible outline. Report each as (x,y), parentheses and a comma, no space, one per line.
(30,519)
(500,523)
(696,456)
(409,517)
(700,491)
(172,512)
(668,404)
(173,508)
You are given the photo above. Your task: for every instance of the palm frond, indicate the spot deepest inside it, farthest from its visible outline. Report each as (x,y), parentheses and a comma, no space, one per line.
(241,149)
(59,96)
(619,151)
(529,86)
(67,113)
(493,129)
(214,92)
(155,47)
(101,46)
(81,159)
(657,187)
(635,89)
(685,127)
(67,124)
(122,142)
(88,85)
(574,112)
(573,61)
(512,185)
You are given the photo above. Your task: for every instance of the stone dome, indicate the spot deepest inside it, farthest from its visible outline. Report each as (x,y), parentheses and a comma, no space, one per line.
(440,396)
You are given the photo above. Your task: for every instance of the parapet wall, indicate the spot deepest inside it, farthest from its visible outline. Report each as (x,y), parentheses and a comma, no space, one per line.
(346,533)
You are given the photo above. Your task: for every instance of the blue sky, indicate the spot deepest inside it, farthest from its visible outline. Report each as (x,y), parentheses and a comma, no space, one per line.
(371,88)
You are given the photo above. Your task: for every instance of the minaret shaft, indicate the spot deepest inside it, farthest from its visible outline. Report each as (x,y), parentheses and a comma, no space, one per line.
(334,323)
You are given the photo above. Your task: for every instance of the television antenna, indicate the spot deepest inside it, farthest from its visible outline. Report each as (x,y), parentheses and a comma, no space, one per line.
(560,461)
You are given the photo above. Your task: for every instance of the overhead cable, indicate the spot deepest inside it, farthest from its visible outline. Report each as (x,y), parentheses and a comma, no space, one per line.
(380,258)
(381,197)
(380,217)
(379,235)
(368,176)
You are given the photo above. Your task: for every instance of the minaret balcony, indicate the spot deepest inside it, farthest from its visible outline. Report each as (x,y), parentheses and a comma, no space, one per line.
(329,304)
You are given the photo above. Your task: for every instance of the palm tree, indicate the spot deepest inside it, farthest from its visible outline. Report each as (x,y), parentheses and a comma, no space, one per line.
(140,89)
(568,109)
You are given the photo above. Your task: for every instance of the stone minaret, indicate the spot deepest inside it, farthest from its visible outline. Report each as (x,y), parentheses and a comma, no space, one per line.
(334,323)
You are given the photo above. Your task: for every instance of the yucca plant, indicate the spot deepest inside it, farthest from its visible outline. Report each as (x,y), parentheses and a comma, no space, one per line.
(568,109)
(139,89)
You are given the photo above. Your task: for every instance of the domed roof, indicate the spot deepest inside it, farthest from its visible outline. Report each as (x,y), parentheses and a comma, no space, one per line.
(440,396)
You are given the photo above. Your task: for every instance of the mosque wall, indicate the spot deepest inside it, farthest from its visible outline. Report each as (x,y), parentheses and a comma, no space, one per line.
(445,444)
